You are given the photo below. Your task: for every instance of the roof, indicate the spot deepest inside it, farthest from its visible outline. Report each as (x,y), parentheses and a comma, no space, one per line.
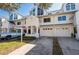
(57,13)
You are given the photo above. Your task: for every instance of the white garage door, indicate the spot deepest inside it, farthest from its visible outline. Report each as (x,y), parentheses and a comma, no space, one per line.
(46,31)
(56,31)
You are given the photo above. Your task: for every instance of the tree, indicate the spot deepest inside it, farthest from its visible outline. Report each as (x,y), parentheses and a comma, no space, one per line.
(9,6)
(44,5)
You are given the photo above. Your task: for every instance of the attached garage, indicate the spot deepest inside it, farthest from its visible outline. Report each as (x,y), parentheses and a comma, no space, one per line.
(56,30)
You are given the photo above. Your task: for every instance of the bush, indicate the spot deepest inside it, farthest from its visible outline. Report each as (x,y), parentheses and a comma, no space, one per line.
(29,37)
(74,34)
(75,30)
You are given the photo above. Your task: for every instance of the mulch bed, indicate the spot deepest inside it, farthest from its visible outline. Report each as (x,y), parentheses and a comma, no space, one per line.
(56,47)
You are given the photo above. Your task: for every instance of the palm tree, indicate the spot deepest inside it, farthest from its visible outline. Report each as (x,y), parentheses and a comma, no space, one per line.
(44,6)
(9,6)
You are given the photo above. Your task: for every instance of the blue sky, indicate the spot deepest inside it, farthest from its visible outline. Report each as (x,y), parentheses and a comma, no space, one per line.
(26,7)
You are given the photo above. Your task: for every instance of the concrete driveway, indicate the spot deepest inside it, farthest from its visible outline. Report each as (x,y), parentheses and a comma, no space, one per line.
(69,46)
(44,46)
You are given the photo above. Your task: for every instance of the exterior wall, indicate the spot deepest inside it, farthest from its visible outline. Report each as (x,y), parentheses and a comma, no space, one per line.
(32,21)
(23,22)
(29,21)
(54,19)
(77,24)
(5,24)
(19,16)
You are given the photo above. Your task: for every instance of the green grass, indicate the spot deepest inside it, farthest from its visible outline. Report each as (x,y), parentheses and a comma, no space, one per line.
(8,46)
(56,47)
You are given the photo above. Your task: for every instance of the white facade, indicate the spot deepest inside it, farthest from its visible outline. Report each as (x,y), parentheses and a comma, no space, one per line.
(55,28)
(30,21)
(60,23)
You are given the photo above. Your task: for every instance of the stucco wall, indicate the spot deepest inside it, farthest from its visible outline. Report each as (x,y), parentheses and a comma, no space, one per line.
(54,19)
(77,23)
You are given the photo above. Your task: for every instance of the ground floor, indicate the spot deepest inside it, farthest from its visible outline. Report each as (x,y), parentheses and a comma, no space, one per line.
(63,30)
(59,30)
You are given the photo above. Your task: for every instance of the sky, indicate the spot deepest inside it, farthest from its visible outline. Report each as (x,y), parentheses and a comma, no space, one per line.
(26,7)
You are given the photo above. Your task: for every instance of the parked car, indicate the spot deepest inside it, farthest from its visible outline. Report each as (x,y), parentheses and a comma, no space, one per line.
(9,35)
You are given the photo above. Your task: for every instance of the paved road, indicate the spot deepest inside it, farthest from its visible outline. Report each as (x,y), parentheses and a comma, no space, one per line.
(69,46)
(43,47)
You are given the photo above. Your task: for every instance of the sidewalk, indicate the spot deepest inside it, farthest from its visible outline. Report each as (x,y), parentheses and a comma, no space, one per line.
(22,50)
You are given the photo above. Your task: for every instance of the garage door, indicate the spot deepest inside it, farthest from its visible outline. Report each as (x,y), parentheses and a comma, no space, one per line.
(46,31)
(56,31)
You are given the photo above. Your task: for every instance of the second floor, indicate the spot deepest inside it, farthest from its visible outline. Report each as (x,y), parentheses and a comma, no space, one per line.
(62,18)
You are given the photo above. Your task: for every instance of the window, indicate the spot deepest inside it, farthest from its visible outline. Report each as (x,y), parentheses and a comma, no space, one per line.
(15,16)
(18,23)
(29,29)
(18,30)
(70,6)
(62,18)
(40,11)
(0,22)
(59,18)
(33,12)
(46,19)
(11,17)
(25,31)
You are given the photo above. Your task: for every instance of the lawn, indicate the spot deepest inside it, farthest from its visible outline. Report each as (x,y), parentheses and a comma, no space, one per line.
(8,46)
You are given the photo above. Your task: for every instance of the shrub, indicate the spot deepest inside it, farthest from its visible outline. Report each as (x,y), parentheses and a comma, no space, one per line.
(75,30)
(74,34)
(29,37)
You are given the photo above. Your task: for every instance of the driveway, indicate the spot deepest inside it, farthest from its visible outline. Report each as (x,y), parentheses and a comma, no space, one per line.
(43,47)
(69,46)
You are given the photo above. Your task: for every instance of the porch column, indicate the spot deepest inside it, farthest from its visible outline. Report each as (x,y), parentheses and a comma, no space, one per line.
(31,29)
(27,30)
(37,34)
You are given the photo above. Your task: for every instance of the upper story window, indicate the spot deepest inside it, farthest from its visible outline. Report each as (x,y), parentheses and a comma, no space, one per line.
(0,21)
(70,6)
(18,23)
(62,18)
(47,20)
(32,12)
(39,11)
(15,16)
(11,17)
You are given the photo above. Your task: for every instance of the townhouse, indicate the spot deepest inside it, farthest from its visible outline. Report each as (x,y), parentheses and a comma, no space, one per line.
(59,23)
